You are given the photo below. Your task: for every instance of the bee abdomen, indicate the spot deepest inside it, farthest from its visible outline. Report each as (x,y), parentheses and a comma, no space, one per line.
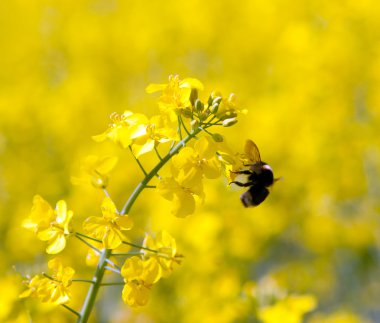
(254,196)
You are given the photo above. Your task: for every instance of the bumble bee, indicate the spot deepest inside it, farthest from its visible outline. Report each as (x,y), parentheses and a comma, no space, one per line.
(260,177)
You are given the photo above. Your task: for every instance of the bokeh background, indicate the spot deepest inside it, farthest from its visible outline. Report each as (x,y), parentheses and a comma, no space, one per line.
(309,74)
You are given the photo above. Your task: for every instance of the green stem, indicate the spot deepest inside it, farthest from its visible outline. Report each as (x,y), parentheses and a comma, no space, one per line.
(179,128)
(113,284)
(106,193)
(206,131)
(78,236)
(94,288)
(47,276)
(106,253)
(184,126)
(112,264)
(137,160)
(139,247)
(82,281)
(87,237)
(126,254)
(71,310)
(155,170)
(157,153)
(113,270)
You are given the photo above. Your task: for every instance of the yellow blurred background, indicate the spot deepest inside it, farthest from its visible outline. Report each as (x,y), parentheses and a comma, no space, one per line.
(309,74)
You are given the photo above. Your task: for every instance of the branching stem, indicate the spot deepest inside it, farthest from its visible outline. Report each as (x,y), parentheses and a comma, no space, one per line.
(106,253)
(71,310)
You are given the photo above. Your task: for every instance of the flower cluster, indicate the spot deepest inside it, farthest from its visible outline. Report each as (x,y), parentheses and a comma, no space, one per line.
(274,304)
(189,167)
(50,225)
(140,274)
(135,130)
(95,171)
(183,117)
(108,228)
(53,288)
(178,101)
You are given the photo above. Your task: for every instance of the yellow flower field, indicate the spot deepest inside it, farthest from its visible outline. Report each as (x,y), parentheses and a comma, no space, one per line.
(123,124)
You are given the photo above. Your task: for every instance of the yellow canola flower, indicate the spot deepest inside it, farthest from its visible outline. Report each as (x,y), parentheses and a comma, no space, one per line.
(49,225)
(182,197)
(231,161)
(108,228)
(135,130)
(191,164)
(159,129)
(123,128)
(166,248)
(53,289)
(95,171)
(288,310)
(139,276)
(175,95)
(228,108)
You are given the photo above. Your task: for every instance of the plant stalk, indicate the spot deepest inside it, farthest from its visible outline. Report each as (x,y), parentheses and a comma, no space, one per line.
(106,253)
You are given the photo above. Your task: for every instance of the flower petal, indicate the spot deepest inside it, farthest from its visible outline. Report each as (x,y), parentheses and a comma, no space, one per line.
(109,210)
(112,239)
(132,268)
(151,88)
(146,147)
(95,226)
(135,295)
(106,164)
(61,211)
(152,271)
(124,222)
(56,245)
(183,204)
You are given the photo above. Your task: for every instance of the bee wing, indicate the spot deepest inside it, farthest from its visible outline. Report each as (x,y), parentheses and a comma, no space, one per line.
(252,152)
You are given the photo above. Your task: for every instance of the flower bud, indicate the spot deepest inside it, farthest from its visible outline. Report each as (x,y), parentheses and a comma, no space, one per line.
(214,108)
(198,105)
(193,95)
(204,115)
(214,94)
(227,115)
(210,99)
(232,98)
(194,124)
(187,113)
(217,137)
(99,181)
(229,122)
(217,100)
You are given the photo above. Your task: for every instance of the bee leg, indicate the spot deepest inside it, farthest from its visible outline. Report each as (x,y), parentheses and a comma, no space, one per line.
(245,172)
(242,184)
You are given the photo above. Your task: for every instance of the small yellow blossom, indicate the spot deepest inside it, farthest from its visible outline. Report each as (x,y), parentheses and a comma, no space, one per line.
(124,128)
(135,294)
(228,108)
(175,95)
(34,285)
(53,289)
(183,198)
(288,310)
(191,164)
(49,225)
(166,248)
(95,171)
(109,227)
(230,160)
(139,276)
(158,130)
